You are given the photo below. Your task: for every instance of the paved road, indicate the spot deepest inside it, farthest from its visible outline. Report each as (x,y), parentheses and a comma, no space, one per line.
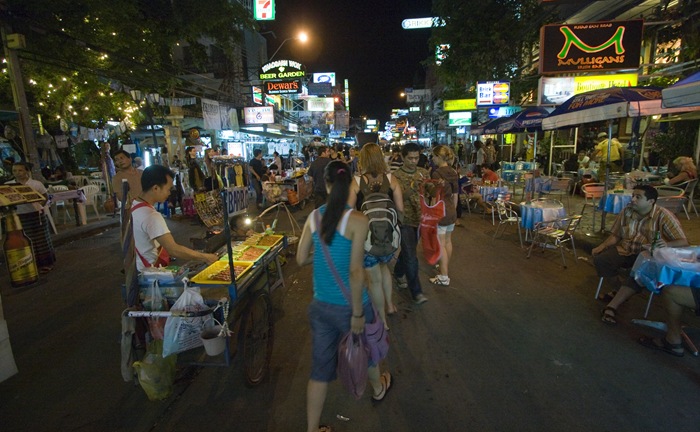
(512,345)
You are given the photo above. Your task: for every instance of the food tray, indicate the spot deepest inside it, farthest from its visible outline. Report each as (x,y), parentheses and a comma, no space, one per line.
(270,240)
(237,252)
(204,277)
(262,251)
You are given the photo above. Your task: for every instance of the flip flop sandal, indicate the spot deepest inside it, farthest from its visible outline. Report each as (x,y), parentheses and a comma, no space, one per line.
(662,344)
(385,378)
(609,318)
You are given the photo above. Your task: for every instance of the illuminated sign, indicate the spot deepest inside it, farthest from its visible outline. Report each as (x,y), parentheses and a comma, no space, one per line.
(459,105)
(259,115)
(417,96)
(459,118)
(371,122)
(605,45)
(414,109)
(320,104)
(293,127)
(282,87)
(282,69)
(505,111)
(419,23)
(554,91)
(492,93)
(441,53)
(324,77)
(257,95)
(264,10)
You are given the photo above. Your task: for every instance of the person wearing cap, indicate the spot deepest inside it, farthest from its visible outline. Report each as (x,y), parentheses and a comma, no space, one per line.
(601,152)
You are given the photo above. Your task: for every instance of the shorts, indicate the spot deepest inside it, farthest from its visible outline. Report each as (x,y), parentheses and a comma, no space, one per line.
(371,260)
(608,263)
(329,323)
(444,229)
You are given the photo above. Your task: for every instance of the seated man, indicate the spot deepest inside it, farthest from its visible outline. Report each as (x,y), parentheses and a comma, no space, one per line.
(487,174)
(635,227)
(675,299)
(153,242)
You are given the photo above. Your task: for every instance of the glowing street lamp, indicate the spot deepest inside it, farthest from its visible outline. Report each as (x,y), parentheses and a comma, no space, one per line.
(301,37)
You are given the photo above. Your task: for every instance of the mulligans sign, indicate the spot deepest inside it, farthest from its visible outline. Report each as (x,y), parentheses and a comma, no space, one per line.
(282,69)
(597,46)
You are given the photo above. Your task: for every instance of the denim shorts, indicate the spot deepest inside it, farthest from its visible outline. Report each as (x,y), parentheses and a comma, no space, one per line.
(444,229)
(329,323)
(371,260)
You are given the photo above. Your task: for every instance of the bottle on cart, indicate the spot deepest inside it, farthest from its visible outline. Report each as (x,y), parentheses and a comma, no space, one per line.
(18,253)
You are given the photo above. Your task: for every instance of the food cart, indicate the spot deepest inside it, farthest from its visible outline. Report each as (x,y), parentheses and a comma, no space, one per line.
(236,289)
(294,189)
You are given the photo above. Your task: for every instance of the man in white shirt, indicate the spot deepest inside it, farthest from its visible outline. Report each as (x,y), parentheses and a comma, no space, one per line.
(152,239)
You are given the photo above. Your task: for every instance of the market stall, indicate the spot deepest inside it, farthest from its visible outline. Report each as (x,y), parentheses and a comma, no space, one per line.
(294,188)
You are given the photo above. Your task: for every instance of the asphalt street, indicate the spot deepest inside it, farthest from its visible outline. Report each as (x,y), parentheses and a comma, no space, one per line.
(514,344)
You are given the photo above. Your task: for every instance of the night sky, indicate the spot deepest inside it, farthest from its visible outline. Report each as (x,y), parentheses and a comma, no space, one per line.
(361,40)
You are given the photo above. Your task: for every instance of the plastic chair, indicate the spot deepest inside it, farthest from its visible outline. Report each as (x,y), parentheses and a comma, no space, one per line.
(689,192)
(670,191)
(507,216)
(675,204)
(61,204)
(556,233)
(91,192)
(592,193)
(80,180)
(102,187)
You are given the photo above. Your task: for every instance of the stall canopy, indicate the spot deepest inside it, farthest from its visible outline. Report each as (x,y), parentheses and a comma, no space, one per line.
(527,120)
(490,127)
(685,92)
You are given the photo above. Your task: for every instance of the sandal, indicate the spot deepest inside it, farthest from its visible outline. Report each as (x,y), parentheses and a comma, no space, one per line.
(385,379)
(663,345)
(608,315)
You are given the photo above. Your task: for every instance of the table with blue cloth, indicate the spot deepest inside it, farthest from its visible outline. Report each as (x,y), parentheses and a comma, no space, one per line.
(668,266)
(539,184)
(490,193)
(615,202)
(538,211)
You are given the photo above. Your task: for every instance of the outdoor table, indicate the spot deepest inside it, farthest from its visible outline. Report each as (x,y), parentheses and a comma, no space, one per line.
(539,184)
(538,211)
(490,193)
(615,202)
(75,195)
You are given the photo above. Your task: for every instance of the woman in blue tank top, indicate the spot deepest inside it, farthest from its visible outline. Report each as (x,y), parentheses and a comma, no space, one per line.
(343,231)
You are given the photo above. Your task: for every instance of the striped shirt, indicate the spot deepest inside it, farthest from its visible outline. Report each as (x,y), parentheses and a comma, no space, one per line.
(635,230)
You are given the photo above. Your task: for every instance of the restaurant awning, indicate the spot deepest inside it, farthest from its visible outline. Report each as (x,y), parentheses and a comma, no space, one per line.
(685,92)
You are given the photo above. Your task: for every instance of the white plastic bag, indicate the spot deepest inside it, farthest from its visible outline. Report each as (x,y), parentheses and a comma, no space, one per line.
(182,333)
(155,301)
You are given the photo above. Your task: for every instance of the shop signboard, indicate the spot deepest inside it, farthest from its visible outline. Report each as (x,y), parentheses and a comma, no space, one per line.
(259,115)
(418,95)
(505,111)
(257,95)
(595,46)
(319,89)
(281,69)
(236,200)
(492,93)
(264,10)
(554,91)
(459,105)
(459,118)
(324,77)
(320,104)
(421,23)
(283,87)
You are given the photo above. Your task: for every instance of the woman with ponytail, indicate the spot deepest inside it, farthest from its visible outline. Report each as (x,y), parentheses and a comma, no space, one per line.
(342,231)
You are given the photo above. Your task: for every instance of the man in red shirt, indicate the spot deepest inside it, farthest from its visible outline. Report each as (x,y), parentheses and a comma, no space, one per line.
(488,175)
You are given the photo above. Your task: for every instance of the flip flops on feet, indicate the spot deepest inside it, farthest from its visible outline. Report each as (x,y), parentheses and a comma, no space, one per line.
(385,379)
(608,315)
(662,344)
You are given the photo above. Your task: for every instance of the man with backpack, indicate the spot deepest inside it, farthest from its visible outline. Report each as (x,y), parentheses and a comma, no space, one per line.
(410,177)
(378,195)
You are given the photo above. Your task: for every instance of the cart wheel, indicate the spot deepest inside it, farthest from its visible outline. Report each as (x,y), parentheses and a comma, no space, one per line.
(257,334)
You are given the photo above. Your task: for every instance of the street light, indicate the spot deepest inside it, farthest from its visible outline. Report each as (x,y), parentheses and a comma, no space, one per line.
(301,37)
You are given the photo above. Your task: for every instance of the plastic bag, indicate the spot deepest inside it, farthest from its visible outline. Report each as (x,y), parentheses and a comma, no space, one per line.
(353,357)
(155,301)
(377,338)
(156,374)
(182,333)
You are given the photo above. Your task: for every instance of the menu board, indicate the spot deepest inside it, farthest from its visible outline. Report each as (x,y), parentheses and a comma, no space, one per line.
(18,194)
(492,93)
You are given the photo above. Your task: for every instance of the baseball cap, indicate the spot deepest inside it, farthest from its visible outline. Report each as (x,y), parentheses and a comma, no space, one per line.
(603,135)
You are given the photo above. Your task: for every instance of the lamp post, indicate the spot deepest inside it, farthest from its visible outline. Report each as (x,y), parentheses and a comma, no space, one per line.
(152,100)
(302,37)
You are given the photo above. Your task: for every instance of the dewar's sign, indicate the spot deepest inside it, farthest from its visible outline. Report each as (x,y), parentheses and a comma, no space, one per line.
(597,46)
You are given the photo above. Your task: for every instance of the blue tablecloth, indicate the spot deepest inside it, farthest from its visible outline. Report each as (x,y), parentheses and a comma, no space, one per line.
(669,266)
(615,202)
(490,193)
(538,211)
(538,184)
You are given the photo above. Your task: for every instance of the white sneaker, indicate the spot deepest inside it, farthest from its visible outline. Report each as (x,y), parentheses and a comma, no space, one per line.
(420,299)
(402,282)
(440,280)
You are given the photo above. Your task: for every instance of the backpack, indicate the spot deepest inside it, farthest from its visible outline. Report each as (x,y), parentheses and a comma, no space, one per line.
(384,237)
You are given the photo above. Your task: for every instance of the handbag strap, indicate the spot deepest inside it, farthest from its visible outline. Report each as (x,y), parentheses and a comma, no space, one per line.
(327,254)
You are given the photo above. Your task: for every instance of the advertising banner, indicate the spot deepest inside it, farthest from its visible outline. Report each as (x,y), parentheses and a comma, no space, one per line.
(324,77)
(259,115)
(492,93)
(459,118)
(282,87)
(604,45)
(417,96)
(459,105)
(320,104)
(210,113)
(319,89)
(554,91)
(281,69)
(316,121)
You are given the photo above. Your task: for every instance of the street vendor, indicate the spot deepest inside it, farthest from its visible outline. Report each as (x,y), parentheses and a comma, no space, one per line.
(153,243)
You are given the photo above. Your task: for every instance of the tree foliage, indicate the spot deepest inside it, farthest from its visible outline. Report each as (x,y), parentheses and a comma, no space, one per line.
(488,40)
(75,49)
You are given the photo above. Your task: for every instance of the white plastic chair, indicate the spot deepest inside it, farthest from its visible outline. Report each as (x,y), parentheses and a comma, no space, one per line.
(689,189)
(102,188)
(80,180)
(91,192)
(61,203)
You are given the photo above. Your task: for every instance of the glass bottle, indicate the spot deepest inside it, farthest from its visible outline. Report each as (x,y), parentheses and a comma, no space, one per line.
(18,253)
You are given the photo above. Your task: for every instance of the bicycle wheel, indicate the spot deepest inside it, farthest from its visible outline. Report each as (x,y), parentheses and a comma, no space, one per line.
(257,334)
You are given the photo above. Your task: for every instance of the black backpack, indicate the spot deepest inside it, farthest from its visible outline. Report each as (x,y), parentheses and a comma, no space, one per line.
(384,236)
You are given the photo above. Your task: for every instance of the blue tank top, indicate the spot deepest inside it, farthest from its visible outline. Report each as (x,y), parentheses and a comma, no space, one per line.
(326,288)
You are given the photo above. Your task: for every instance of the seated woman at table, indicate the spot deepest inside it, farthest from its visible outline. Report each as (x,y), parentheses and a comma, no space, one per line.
(686,171)
(635,228)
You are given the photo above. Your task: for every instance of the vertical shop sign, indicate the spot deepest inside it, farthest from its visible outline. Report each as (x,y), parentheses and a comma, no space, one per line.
(264,10)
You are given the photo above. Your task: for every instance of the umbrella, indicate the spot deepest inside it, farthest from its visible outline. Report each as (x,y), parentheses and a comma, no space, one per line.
(527,120)
(685,92)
